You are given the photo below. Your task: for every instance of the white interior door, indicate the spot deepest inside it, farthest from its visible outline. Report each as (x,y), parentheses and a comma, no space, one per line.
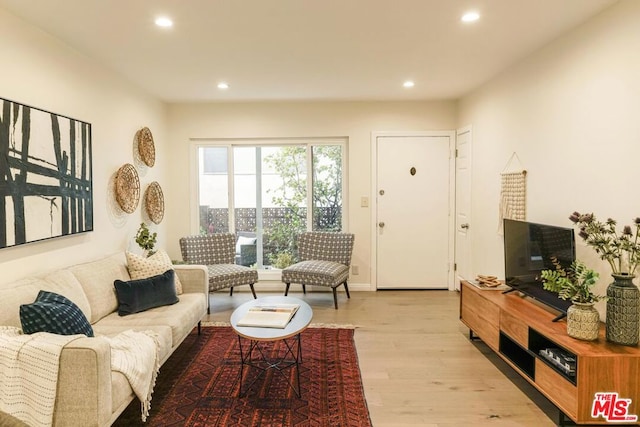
(463,206)
(412,216)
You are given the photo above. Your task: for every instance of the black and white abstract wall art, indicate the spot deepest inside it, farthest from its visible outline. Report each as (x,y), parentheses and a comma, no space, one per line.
(45,175)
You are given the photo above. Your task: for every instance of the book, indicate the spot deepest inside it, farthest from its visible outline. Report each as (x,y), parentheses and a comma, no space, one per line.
(269,316)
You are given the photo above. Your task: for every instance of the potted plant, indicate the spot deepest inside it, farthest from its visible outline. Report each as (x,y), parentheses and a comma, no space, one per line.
(146,240)
(622,251)
(575,283)
(283,260)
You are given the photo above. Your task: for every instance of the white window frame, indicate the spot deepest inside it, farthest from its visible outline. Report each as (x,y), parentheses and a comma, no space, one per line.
(197,143)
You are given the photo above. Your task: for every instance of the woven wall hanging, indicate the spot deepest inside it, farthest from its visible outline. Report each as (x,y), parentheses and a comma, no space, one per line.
(513,194)
(146,147)
(127,188)
(154,202)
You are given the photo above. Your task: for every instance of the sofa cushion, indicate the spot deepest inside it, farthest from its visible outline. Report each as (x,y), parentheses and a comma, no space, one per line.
(54,313)
(139,295)
(63,282)
(318,273)
(13,294)
(179,317)
(97,278)
(142,267)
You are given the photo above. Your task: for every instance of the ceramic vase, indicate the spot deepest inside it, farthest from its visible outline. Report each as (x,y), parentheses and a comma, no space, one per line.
(623,310)
(583,321)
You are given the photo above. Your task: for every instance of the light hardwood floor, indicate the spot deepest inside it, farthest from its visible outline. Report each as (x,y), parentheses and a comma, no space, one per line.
(418,366)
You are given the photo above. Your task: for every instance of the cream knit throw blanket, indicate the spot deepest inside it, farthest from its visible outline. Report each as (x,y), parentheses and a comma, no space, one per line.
(136,355)
(29,373)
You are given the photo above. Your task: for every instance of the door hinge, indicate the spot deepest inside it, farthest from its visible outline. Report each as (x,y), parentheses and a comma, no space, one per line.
(456,153)
(455,266)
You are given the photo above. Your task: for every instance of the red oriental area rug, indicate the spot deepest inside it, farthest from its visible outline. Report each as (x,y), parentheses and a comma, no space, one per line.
(198,385)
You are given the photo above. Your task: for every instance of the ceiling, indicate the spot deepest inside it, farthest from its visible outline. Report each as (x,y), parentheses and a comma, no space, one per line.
(306,49)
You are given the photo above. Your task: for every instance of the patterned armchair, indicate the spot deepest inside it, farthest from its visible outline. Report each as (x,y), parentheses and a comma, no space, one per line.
(218,252)
(324,261)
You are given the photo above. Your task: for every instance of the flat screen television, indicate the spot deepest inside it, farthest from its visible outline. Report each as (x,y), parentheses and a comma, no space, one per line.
(528,249)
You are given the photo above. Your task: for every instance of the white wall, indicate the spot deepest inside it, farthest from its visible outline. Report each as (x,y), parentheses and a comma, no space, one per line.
(354,120)
(40,71)
(571,112)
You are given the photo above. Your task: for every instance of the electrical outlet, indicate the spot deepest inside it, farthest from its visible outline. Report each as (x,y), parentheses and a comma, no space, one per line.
(355,270)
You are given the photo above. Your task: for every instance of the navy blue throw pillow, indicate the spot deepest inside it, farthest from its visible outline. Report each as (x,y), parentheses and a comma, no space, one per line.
(139,295)
(54,313)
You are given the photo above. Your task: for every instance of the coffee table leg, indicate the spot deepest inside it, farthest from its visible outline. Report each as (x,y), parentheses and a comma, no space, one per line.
(246,360)
(298,362)
(294,350)
(242,363)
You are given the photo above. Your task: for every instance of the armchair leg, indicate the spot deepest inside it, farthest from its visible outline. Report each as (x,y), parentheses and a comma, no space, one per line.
(199,327)
(253,291)
(346,288)
(231,291)
(286,290)
(335,298)
(304,289)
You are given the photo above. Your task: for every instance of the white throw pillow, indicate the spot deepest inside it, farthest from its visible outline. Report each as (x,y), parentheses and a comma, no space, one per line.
(243,240)
(141,267)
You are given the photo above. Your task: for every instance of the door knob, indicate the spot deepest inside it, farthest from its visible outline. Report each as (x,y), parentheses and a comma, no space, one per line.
(465,225)
(381,224)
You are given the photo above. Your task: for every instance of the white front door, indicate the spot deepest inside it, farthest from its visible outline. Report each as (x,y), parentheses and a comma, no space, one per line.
(413,238)
(463,206)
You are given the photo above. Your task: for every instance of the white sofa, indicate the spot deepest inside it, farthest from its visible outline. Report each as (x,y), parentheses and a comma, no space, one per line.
(89,392)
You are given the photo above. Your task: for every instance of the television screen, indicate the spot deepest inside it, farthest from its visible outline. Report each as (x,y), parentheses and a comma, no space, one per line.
(529,249)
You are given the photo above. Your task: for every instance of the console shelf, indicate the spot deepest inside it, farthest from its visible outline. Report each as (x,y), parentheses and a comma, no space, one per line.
(570,374)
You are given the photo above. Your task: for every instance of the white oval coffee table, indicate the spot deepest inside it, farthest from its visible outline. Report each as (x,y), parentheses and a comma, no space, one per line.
(253,356)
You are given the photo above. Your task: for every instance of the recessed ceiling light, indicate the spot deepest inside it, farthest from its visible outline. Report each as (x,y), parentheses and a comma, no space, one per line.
(470,17)
(164,22)
(223,85)
(408,83)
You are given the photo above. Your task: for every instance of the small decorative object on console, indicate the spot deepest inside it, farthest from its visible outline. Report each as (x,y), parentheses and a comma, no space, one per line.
(574,283)
(564,360)
(490,281)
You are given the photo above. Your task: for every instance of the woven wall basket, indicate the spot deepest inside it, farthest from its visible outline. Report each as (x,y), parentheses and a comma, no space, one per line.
(127,188)
(146,147)
(154,202)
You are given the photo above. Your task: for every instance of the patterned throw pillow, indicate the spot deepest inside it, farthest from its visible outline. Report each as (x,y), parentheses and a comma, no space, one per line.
(139,295)
(54,313)
(141,267)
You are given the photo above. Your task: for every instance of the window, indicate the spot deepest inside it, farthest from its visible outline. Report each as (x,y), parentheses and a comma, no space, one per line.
(265,194)
(214,160)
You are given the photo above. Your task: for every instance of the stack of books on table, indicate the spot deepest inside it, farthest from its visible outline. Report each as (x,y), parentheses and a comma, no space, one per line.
(269,316)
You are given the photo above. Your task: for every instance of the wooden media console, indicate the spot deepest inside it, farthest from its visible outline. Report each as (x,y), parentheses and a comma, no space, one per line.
(605,378)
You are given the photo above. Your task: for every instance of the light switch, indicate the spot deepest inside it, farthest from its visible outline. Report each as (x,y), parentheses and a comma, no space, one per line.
(364,202)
